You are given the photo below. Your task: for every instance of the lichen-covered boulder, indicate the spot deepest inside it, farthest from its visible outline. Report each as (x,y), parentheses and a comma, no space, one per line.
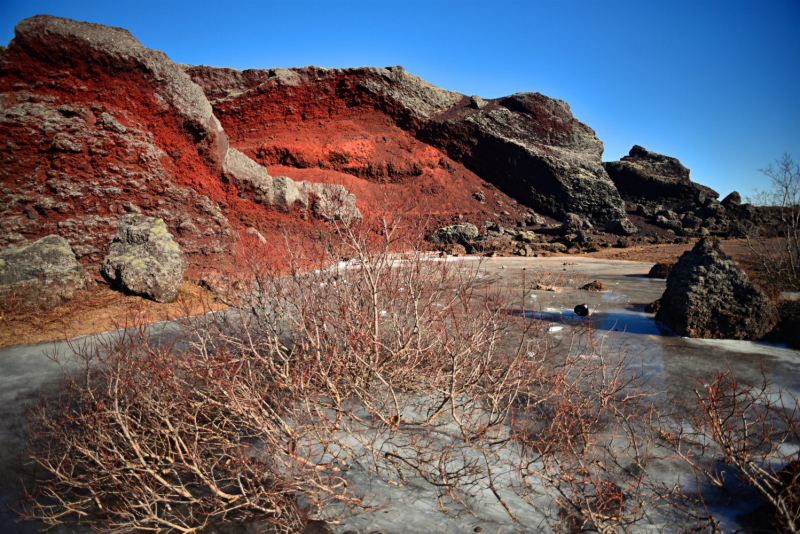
(144,259)
(707,296)
(458,233)
(44,273)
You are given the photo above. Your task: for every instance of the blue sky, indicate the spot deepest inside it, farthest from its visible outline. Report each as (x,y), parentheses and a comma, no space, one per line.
(713,83)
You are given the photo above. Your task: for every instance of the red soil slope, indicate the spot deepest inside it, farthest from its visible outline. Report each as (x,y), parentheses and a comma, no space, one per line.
(331,131)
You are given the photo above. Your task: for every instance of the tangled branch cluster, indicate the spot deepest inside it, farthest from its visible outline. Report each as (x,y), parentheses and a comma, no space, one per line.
(362,357)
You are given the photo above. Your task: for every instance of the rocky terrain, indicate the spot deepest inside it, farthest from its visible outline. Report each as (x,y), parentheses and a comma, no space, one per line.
(94,126)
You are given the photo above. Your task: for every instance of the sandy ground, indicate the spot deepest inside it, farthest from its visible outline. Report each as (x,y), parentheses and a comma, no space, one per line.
(98,310)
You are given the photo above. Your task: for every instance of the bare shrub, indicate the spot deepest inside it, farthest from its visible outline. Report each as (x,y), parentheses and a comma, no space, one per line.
(354,357)
(586,439)
(754,430)
(776,247)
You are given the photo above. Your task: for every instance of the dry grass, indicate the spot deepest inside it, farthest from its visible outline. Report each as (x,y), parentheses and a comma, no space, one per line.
(97,310)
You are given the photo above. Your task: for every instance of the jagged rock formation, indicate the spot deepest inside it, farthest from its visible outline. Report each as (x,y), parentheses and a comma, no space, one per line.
(707,296)
(144,259)
(385,125)
(44,273)
(328,201)
(645,175)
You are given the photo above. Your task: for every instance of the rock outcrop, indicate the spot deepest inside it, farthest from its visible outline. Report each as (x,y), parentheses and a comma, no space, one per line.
(44,273)
(707,296)
(388,125)
(328,201)
(144,259)
(645,175)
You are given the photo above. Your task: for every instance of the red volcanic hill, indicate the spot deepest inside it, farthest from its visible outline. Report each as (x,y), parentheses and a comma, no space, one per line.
(94,125)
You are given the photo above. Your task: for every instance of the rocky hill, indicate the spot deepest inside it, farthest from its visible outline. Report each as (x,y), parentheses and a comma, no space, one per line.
(93,125)
(368,125)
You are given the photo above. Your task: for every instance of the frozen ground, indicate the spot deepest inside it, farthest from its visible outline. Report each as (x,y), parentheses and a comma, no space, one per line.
(669,361)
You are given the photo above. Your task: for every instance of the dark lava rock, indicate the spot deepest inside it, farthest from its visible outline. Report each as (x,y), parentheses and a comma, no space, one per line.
(707,296)
(144,259)
(43,273)
(646,175)
(732,200)
(533,149)
(621,227)
(659,270)
(595,286)
(653,307)
(788,328)
(458,233)
(581,310)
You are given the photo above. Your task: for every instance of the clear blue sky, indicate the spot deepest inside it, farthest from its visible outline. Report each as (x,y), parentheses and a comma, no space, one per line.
(713,83)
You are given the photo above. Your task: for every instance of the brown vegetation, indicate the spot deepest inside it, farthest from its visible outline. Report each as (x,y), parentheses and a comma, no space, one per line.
(97,310)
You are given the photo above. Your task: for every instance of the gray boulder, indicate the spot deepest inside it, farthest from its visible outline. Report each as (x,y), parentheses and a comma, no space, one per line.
(669,224)
(477,102)
(621,227)
(44,273)
(707,296)
(574,222)
(144,259)
(458,233)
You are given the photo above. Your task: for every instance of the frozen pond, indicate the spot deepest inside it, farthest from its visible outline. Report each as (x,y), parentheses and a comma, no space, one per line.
(669,361)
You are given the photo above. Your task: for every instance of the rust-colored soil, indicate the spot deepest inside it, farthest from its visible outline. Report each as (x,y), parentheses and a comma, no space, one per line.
(97,310)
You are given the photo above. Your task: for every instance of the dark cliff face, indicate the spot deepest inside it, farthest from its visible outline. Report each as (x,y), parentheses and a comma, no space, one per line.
(527,145)
(645,175)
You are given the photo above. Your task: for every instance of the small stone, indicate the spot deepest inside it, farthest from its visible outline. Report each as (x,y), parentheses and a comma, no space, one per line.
(595,286)
(659,270)
(30,212)
(621,227)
